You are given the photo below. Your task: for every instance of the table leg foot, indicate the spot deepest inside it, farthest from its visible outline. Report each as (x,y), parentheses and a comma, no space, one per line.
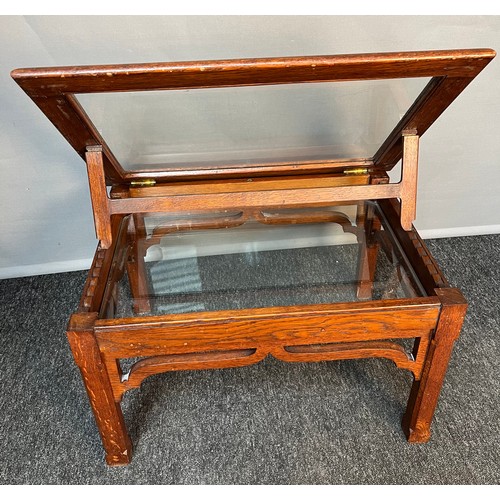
(117,460)
(425,392)
(107,412)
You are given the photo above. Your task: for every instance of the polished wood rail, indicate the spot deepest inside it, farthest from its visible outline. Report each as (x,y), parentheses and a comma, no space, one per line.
(283,332)
(257,71)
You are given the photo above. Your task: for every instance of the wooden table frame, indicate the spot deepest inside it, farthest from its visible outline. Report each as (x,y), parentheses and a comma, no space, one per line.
(298,333)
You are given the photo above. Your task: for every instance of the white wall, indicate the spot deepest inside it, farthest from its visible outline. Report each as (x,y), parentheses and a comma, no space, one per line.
(46,222)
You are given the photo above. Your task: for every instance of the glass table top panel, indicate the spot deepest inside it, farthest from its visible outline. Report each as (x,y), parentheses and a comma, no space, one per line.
(209,262)
(158,130)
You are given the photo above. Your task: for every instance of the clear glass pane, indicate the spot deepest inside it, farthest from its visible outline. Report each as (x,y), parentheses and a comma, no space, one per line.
(250,125)
(280,258)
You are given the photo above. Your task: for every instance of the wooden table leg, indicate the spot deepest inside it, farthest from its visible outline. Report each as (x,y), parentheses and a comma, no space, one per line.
(107,411)
(367,224)
(136,268)
(425,392)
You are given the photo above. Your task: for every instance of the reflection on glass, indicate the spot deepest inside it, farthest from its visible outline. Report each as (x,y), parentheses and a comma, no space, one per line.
(338,254)
(250,125)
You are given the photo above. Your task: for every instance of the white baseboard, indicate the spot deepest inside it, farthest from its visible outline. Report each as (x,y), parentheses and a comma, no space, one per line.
(83,264)
(63,266)
(452,232)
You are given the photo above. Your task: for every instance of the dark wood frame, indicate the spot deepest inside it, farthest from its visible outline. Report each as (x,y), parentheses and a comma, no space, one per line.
(300,333)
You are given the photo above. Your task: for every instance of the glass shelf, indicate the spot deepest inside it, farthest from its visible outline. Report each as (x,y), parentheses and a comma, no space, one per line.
(345,254)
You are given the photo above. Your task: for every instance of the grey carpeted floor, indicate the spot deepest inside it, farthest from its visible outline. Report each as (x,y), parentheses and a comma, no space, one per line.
(272,423)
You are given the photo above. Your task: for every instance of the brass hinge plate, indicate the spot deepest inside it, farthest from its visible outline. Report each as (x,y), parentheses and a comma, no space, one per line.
(143,183)
(356,171)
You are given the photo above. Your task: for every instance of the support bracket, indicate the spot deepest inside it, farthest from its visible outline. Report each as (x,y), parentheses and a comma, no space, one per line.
(99,195)
(409,174)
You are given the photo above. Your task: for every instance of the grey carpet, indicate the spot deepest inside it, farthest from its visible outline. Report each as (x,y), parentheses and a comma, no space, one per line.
(271,423)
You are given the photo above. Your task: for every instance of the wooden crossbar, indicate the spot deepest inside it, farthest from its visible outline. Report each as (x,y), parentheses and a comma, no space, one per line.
(264,193)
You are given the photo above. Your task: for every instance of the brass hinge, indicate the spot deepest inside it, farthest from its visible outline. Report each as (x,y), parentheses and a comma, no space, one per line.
(356,171)
(143,183)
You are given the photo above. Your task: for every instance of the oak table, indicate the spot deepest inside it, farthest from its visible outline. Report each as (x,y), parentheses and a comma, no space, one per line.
(251,208)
